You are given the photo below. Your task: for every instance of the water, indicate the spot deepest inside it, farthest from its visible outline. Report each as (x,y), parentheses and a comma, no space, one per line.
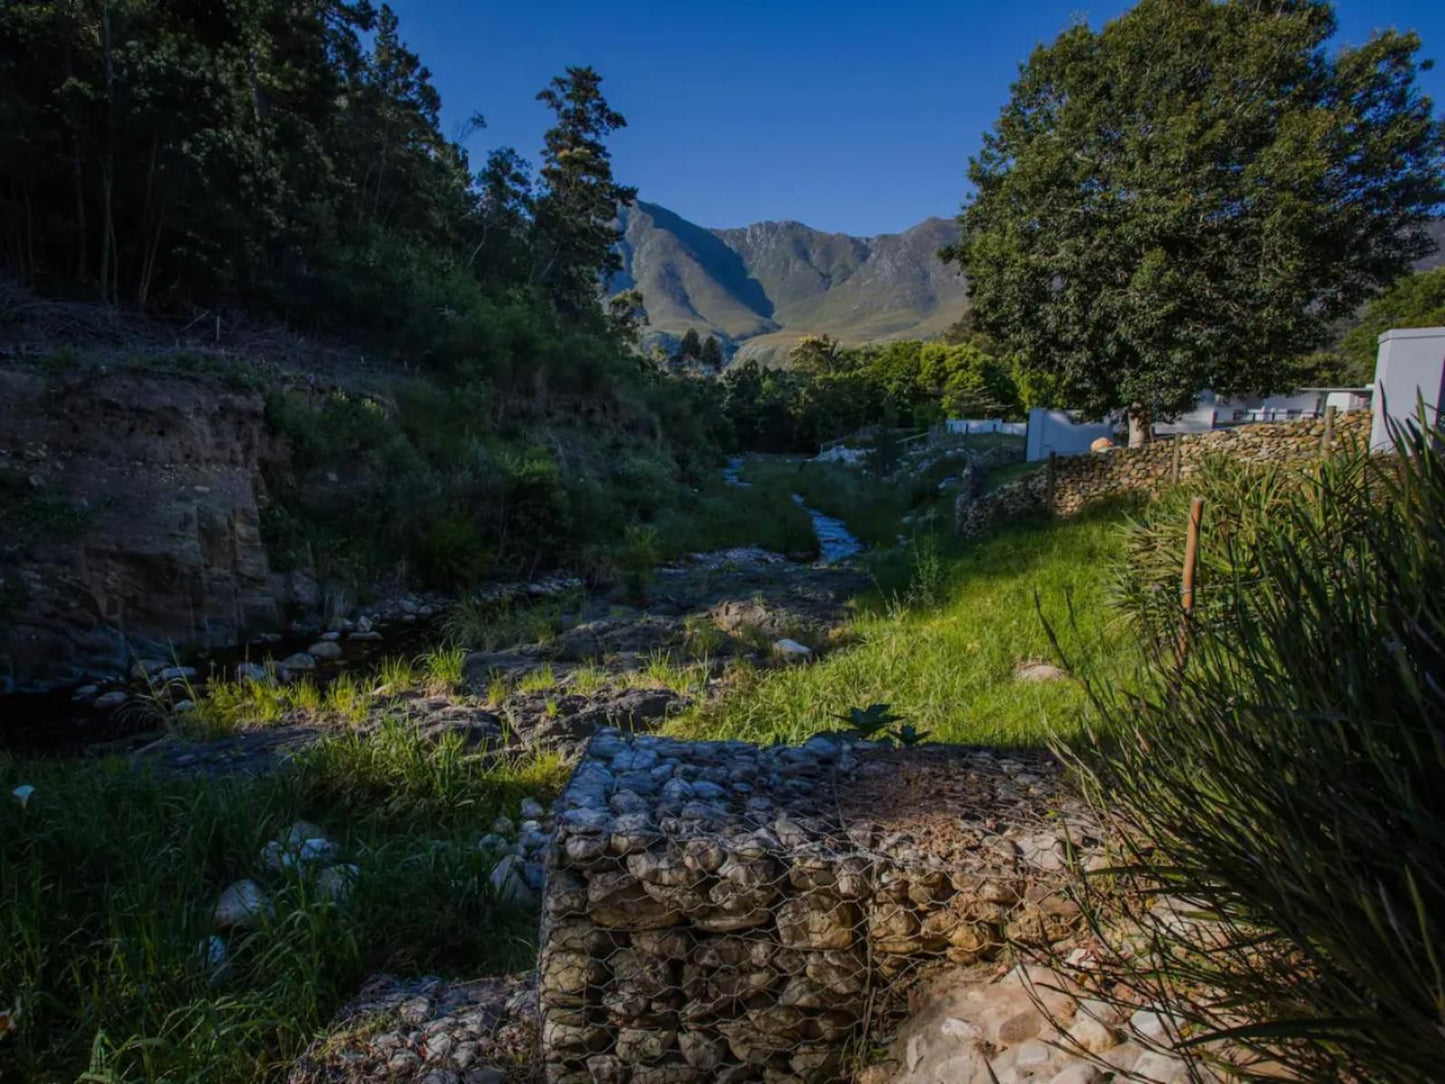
(835,542)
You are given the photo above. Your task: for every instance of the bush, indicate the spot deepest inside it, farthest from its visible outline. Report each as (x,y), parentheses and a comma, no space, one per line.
(1289,775)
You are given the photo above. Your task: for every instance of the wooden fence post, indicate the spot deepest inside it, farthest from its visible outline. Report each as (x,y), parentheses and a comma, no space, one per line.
(1174,464)
(1328,440)
(1191,558)
(1051,481)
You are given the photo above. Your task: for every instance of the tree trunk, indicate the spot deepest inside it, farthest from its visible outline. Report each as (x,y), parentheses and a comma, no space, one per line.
(1141,425)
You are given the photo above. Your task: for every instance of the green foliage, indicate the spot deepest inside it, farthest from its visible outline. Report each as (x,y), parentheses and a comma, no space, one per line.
(871,505)
(1417,300)
(950,668)
(719,516)
(833,391)
(711,356)
(108,878)
(1186,197)
(576,209)
(690,346)
(1288,775)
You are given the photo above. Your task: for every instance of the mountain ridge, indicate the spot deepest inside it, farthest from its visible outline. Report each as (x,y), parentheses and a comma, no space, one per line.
(761,287)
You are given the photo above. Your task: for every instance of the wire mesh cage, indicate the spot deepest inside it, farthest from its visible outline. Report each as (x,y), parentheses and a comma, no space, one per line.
(718,911)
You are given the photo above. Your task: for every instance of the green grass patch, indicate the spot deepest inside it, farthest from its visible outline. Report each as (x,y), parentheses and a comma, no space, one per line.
(720,516)
(108,878)
(949,668)
(1002,476)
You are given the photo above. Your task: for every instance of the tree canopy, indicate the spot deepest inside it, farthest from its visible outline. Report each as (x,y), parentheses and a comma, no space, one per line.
(1185,198)
(1417,300)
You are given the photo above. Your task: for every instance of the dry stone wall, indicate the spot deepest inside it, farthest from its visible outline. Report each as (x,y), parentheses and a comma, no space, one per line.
(1079,481)
(719,911)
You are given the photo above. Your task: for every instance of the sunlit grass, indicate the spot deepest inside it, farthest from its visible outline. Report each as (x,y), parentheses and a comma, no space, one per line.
(443,667)
(950,668)
(588,680)
(538,680)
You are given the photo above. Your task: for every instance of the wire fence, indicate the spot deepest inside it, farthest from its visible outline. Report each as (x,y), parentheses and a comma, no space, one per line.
(716,911)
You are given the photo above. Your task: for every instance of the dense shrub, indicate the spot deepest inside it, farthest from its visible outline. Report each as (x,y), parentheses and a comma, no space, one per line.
(1288,774)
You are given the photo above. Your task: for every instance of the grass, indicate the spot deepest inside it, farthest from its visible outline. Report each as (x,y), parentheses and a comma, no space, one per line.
(108,877)
(538,680)
(485,625)
(444,669)
(720,516)
(948,668)
(1002,476)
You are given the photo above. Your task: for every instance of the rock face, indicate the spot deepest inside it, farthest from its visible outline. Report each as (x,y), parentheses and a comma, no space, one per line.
(720,911)
(161,477)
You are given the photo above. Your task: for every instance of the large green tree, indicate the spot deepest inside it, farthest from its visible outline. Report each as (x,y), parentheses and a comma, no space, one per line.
(1185,198)
(576,212)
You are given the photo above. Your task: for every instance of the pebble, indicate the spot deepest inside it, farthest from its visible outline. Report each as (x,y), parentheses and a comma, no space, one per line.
(533,809)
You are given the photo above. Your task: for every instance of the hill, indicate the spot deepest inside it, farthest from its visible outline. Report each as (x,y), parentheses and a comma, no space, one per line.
(761,287)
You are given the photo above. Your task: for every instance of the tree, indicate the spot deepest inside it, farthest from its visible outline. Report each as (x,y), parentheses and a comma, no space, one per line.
(1417,300)
(576,212)
(1186,198)
(690,347)
(814,354)
(504,217)
(711,356)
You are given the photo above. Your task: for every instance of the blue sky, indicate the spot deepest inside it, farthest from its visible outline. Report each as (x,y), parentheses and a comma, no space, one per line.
(847,115)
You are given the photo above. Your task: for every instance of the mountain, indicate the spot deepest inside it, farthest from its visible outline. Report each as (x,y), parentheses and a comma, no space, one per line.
(762,287)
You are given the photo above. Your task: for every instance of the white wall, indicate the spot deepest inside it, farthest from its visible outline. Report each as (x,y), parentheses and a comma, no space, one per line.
(986,425)
(1055,431)
(1409,366)
(1198,420)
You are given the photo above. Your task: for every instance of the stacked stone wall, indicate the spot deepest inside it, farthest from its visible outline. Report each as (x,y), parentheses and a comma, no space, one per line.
(1080,481)
(717,911)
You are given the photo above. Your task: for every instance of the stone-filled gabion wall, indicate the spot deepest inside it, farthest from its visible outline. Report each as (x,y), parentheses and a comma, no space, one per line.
(718,911)
(1081,480)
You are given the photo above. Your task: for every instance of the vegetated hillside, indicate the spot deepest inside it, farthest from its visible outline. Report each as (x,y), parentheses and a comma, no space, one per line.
(762,287)
(1436,258)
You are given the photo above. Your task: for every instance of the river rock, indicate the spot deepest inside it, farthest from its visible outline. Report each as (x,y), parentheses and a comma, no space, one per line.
(336,883)
(242,904)
(299,661)
(326,650)
(792,651)
(107,701)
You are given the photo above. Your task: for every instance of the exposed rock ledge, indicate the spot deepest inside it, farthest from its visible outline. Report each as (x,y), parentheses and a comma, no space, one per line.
(165,471)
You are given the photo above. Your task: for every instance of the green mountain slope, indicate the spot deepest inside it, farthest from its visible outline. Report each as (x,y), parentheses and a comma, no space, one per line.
(762,287)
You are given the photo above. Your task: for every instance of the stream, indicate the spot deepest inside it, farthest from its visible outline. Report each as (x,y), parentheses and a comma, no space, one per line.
(56,721)
(835,541)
